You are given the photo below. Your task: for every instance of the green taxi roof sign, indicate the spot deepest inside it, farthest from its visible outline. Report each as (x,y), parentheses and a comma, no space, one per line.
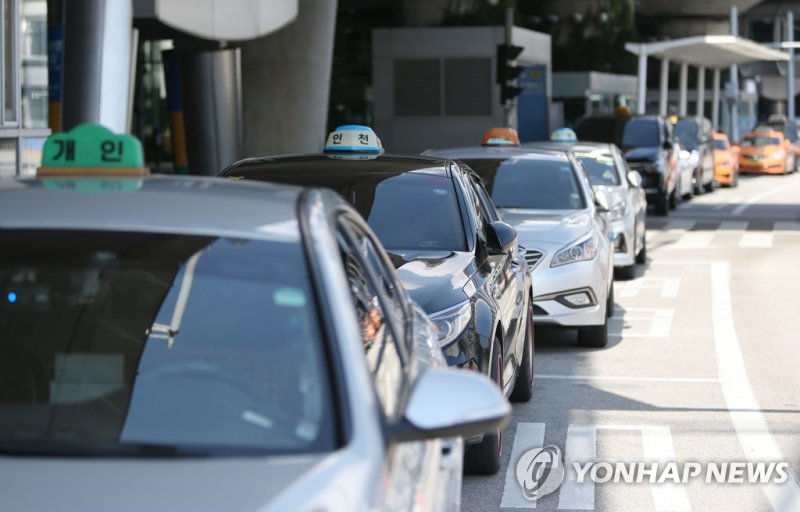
(92,149)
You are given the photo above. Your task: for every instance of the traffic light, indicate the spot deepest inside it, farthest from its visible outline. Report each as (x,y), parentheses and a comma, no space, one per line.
(507,71)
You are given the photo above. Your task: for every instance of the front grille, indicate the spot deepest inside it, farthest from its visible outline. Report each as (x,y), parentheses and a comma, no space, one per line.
(533,257)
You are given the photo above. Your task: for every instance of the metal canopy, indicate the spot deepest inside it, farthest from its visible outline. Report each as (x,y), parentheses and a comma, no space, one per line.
(708,51)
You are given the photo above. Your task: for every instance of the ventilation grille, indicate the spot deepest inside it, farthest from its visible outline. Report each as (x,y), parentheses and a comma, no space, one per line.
(468,87)
(417,87)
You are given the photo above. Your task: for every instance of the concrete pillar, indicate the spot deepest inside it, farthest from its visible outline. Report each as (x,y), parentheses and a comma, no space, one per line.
(97,67)
(683,86)
(701,91)
(715,99)
(663,100)
(790,66)
(734,135)
(286,83)
(641,83)
(212,108)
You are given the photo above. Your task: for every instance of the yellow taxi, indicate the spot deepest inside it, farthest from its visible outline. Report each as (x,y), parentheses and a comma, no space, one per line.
(726,163)
(765,151)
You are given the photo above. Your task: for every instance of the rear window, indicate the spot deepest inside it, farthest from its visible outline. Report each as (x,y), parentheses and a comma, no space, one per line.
(641,133)
(530,183)
(140,344)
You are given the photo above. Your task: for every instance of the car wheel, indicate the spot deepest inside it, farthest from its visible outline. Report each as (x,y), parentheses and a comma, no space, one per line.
(661,206)
(484,458)
(627,272)
(610,305)
(593,335)
(692,190)
(674,198)
(641,257)
(710,186)
(523,386)
(697,183)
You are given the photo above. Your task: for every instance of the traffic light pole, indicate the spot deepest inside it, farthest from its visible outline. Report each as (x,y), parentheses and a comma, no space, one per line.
(508,106)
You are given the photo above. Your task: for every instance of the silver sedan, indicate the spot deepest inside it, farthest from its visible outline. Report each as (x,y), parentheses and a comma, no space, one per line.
(548,199)
(205,345)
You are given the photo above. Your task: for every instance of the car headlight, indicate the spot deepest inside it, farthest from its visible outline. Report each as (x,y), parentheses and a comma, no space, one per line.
(584,249)
(451,322)
(778,154)
(619,210)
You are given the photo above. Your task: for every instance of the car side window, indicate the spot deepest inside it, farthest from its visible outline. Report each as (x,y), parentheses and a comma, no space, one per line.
(378,313)
(485,204)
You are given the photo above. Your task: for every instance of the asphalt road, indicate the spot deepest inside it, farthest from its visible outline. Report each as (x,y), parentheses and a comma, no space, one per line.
(702,368)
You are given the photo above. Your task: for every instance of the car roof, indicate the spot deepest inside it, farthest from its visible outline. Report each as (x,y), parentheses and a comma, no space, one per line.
(474,152)
(186,205)
(579,146)
(380,164)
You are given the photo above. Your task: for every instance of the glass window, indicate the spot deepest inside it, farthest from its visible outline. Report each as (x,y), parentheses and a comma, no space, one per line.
(530,183)
(139,344)
(33,61)
(30,155)
(378,329)
(759,141)
(720,144)
(641,133)
(412,211)
(688,133)
(8,157)
(600,168)
(9,62)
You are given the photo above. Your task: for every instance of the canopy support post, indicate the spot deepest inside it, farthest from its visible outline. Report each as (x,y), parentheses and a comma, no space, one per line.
(715,99)
(641,85)
(664,88)
(682,87)
(701,91)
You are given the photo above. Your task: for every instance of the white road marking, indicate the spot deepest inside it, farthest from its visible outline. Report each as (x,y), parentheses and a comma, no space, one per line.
(527,437)
(660,321)
(657,446)
(757,239)
(666,380)
(581,447)
(758,197)
(751,427)
(669,286)
(693,240)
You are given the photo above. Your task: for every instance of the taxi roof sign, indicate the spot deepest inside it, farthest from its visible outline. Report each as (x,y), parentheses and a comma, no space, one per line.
(92,150)
(563,135)
(353,138)
(500,136)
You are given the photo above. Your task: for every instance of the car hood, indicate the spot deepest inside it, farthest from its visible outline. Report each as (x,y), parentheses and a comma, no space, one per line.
(548,226)
(434,279)
(644,154)
(122,485)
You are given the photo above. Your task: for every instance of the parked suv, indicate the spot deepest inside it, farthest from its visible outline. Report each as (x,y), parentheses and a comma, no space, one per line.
(650,148)
(695,137)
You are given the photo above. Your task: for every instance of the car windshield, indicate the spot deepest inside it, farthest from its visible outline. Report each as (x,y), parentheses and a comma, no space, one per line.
(600,168)
(139,344)
(686,131)
(759,141)
(641,133)
(530,183)
(720,144)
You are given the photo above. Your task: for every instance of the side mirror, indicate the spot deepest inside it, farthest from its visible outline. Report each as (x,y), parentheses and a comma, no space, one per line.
(446,402)
(601,201)
(635,179)
(500,237)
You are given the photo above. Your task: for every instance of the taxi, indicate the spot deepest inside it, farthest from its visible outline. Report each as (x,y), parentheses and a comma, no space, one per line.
(452,252)
(157,355)
(562,223)
(765,151)
(726,164)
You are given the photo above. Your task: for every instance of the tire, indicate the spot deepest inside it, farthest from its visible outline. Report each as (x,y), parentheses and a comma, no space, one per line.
(610,305)
(697,185)
(674,198)
(523,385)
(627,272)
(692,190)
(710,186)
(484,458)
(641,257)
(662,206)
(593,335)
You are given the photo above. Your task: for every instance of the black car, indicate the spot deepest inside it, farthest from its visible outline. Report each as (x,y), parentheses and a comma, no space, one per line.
(455,257)
(696,136)
(650,149)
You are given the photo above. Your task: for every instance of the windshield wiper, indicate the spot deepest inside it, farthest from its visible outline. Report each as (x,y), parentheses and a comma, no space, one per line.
(49,448)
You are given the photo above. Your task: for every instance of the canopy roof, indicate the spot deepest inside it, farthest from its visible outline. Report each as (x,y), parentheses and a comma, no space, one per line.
(708,51)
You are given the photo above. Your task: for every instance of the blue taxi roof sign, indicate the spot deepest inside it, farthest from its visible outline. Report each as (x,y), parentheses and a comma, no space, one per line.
(353,138)
(563,135)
